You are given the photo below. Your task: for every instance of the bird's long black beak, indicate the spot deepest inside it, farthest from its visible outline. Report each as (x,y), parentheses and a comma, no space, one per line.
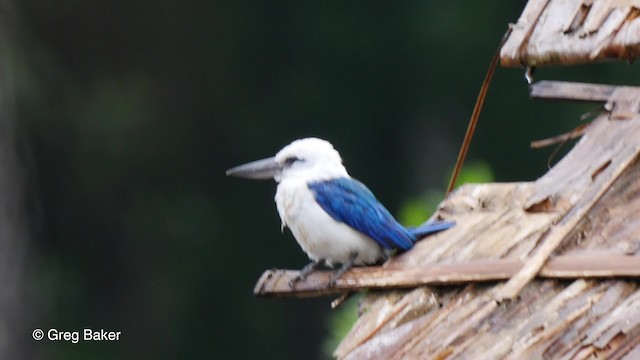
(259,169)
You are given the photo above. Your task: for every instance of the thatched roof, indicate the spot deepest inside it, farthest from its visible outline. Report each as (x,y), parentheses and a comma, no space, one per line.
(585,210)
(587,205)
(574,31)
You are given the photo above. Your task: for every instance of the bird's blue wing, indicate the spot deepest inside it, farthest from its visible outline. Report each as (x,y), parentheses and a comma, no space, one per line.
(348,201)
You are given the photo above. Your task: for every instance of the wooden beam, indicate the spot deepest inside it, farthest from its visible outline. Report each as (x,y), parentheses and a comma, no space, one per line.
(573,91)
(275,283)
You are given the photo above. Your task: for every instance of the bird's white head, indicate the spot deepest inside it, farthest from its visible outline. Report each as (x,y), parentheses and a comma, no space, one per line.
(305,159)
(310,158)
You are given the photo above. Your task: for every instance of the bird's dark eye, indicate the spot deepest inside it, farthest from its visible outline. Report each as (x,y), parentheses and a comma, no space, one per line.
(290,160)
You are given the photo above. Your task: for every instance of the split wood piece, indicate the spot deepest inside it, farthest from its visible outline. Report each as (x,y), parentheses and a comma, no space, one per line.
(275,283)
(572,91)
(564,32)
(623,102)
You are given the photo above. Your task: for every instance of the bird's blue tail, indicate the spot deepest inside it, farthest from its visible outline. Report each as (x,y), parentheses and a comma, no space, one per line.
(430,228)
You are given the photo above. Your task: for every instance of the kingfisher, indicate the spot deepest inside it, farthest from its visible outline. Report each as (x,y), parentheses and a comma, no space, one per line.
(334,218)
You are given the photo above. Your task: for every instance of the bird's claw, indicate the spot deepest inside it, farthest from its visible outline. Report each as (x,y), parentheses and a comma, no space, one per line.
(295,280)
(345,266)
(308,269)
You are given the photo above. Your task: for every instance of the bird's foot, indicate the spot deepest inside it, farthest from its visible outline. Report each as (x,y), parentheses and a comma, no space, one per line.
(334,279)
(345,266)
(294,281)
(308,269)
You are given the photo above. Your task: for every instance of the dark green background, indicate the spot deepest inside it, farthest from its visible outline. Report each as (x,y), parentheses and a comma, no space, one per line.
(131,111)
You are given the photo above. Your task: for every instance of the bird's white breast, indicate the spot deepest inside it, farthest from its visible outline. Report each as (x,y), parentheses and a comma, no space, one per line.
(319,235)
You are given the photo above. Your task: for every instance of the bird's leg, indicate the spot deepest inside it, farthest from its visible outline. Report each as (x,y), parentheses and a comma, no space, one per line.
(345,266)
(308,269)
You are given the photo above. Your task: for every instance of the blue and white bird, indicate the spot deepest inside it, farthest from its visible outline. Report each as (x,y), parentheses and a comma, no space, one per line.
(334,217)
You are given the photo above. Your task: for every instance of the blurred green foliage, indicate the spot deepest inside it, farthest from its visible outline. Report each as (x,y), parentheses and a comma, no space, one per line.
(476,172)
(415,211)
(338,325)
(131,112)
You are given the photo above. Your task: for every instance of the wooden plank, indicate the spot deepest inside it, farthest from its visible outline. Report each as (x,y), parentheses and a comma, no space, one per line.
(563,90)
(275,283)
